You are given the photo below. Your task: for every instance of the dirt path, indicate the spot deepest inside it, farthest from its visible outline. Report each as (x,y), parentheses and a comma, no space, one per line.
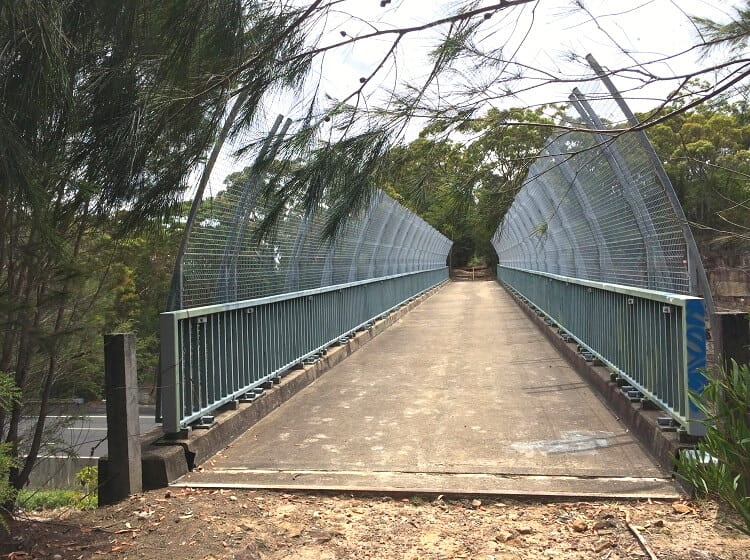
(253,525)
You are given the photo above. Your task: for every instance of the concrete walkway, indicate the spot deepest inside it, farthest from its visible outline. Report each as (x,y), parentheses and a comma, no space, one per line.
(462,395)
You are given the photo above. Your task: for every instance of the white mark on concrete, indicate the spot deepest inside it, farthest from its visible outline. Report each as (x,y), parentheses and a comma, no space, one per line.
(377,448)
(570,442)
(330,448)
(284,436)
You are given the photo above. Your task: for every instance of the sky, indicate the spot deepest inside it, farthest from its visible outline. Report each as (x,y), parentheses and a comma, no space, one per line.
(541,34)
(547,37)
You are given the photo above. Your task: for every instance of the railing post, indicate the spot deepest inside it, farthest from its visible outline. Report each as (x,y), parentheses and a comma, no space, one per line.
(170,378)
(120,473)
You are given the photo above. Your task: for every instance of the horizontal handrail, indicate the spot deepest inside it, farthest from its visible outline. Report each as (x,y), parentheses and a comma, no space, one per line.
(220,307)
(216,354)
(654,340)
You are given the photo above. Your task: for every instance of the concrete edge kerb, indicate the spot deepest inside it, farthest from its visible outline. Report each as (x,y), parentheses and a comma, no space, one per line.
(662,446)
(164,460)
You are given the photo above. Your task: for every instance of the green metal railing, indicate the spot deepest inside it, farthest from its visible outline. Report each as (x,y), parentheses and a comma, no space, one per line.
(656,341)
(219,353)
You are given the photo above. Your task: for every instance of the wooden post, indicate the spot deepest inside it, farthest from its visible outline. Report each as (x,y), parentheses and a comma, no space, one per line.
(120,471)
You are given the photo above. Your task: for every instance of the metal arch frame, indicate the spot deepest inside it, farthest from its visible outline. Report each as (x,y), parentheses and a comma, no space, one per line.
(633,196)
(395,266)
(434,250)
(416,246)
(379,237)
(291,283)
(559,208)
(524,237)
(431,246)
(386,265)
(521,238)
(364,228)
(244,209)
(420,258)
(326,278)
(438,250)
(512,229)
(605,259)
(445,248)
(524,212)
(536,204)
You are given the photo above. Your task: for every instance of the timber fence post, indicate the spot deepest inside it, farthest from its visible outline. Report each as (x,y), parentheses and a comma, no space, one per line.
(120,472)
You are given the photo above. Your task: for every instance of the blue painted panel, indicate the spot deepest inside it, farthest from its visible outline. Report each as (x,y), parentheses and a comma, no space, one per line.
(695,336)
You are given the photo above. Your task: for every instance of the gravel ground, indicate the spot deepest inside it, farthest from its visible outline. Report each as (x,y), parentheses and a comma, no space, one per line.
(251,525)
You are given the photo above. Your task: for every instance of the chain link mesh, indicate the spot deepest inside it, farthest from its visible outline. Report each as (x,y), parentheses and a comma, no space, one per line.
(226,260)
(592,207)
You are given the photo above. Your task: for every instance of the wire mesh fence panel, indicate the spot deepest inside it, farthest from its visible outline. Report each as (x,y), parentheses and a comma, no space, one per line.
(259,287)
(594,207)
(226,258)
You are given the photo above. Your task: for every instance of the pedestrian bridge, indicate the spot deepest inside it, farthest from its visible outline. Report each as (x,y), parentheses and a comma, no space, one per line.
(463,394)
(466,392)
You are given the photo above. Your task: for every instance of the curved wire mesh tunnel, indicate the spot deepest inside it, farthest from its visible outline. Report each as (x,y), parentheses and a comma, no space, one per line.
(598,244)
(250,302)
(597,205)
(591,208)
(225,261)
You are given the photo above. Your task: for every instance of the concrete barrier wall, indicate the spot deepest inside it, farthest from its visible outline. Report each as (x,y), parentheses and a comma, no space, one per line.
(59,472)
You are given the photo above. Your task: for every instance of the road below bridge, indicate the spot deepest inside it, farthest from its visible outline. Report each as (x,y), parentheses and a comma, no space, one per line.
(462,395)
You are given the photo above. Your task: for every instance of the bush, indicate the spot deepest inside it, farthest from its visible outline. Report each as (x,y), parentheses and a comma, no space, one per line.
(35,500)
(720,466)
(86,498)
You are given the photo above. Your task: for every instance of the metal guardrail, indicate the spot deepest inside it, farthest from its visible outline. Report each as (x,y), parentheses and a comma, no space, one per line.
(655,341)
(219,353)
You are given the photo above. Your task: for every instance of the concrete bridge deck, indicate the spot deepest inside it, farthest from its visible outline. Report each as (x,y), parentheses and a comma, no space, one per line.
(462,395)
